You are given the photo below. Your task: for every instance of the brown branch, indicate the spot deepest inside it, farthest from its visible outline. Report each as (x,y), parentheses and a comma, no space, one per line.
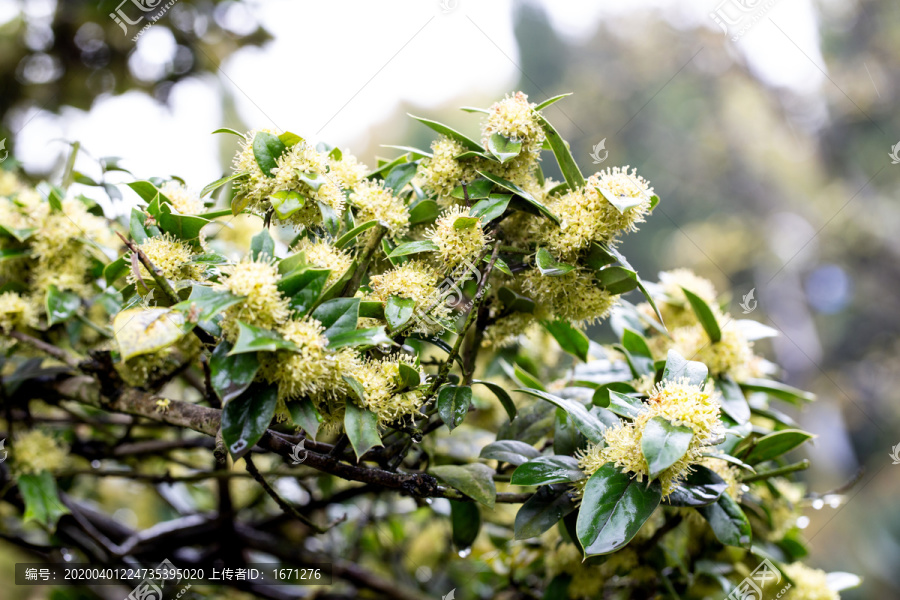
(57,353)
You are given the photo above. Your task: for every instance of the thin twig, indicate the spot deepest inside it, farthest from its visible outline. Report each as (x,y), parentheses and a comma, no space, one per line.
(57,353)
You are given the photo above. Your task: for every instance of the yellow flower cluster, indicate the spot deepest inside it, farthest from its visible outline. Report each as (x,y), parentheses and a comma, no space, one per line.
(182,199)
(323,255)
(573,297)
(263,305)
(373,202)
(380,379)
(441,173)
(457,245)
(256,186)
(303,159)
(515,118)
(681,403)
(169,255)
(506,330)
(808,583)
(731,355)
(36,451)
(16,311)
(348,171)
(417,281)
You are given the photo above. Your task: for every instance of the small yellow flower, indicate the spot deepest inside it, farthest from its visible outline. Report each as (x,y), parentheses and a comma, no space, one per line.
(310,369)
(441,173)
(506,330)
(348,170)
(183,200)
(303,159)
(263,305)
(624,185)
(573,297)
(456,246)
(380,379)
(36,451)
(681,403)
(415,280)
(374,202)
(162,404)
(731,355)
(169,255)
(16,311)
(256,186)
(514,118)
(323,255)
(809,583)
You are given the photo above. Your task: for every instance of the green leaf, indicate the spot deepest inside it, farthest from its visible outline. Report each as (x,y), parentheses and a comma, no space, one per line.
(292,139)
(475,481)
(267,148)
(409,377)
(778,390)
(398,311)
(337,316)
(211,187)
(513,452)
(518,191)
(705,315)
(621,203)
(60,305)
(508,405)
(348,237)
(728,521)
(545,470)
(526,378)
(361,425)
(207,302)
(570,339)
(330,219)
(635,343)
(41,498)
(549,266)
(20,235)
(465,223)
(587,424)
(246,418)
(361,339)
(541,512)
(256,339)
(614,508)
(504,148)
(400,176)
(312,179)
(490,208)
(262,244)
(115,270)
(663,444)
(370,309)
(304,413)
(617,280)
(679,368)
(700,488)
(230,375)
(423,212)
(515,302)
(413,248)
(145,331)
(304,287)
(11,253)
(286,202)
(453,404)
(625,406)
(550,101)
(601,393)
(229,130)
(567,164)
(775,444)
(450,133)
(474,190)
(184,227)
(465,521)
(733,401)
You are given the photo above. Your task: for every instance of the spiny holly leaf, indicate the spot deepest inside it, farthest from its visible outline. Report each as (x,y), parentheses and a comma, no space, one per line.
(246,418)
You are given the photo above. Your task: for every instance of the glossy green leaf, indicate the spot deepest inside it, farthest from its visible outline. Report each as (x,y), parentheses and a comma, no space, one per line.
(286,202)
(545,470)
(465,522)
(625,406)
(292,139)
(705,315)
(621,203)
(601,393)
(206,302)
(570,339)
(337,316)
(515,302)
(361,425)
(664,443)
(521,193)
(41,497)
(587,424)
(474,190)
(347,238)
(474,480)
(779,390)
(60,305)
(262,244)
(413,248)
(453,404)
(256,339)
(567,164)
(409,376)
(635,343)
(424,211)
(450,133)
(614,508)
(549,266)
(465,223)
(513,452)
(541,512)
(505,399)
(330,220)
(617,280)
(526,378)
(677,367)
(211,187)
(775,444)
(145,331)
(246,418)
(304,287)
(700,488)
(304,413)
(503,148)
(229,130)
(728,521)
(490,208)
(230,375)
(19,234)
(362,339)
(398,311)
(400,176)
(734,404)
(550,101)
(267,148)
(116,270)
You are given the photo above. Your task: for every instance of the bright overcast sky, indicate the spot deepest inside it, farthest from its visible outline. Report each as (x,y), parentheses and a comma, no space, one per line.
(335,68)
